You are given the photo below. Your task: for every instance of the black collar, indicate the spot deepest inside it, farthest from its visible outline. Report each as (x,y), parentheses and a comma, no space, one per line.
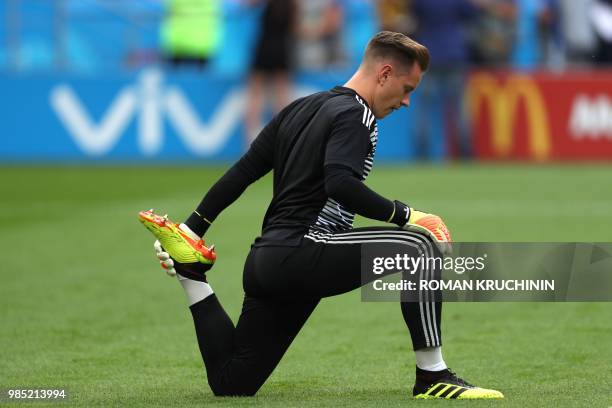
(349,91)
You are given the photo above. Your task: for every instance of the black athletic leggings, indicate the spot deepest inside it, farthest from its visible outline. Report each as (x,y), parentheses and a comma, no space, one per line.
(283,285)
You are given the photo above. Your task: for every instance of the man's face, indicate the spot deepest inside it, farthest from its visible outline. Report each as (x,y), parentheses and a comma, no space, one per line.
(394,87)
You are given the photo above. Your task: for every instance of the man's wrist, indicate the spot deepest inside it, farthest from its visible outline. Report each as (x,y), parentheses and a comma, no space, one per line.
(401,213)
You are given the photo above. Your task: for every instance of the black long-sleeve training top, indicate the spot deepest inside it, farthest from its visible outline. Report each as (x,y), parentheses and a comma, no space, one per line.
(321,149)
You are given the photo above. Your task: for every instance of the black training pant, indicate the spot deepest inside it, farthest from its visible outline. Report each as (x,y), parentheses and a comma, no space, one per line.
(283,285)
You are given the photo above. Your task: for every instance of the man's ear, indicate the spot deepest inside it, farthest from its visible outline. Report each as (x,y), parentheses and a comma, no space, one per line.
(384,73)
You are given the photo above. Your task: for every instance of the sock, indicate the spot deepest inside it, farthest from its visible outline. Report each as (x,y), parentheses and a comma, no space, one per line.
(197,223)
(215,332)
(430,359)
(195,291)
(189,232)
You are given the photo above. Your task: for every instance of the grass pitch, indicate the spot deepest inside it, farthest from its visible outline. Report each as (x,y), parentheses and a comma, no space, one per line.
(84,306)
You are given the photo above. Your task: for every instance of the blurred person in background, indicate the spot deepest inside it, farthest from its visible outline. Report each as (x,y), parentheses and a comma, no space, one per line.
(191,31)
(534,23)
(319,25)
(491,33)
(577,31)
(441,124)
(359,24)
(551,36)
(601,19)
(525,34)
(394,15)
(271,61)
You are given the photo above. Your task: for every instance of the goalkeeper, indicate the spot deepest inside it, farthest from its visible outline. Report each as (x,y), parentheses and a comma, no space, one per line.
(321,149)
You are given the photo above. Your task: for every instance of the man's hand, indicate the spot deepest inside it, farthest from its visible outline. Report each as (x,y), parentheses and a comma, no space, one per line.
(165,260)
(432,226)
(194,271)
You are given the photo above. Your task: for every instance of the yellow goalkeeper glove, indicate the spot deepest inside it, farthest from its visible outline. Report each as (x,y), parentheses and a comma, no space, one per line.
(432,226)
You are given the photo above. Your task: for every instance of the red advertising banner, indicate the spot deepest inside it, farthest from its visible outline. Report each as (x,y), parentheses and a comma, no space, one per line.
(541,116)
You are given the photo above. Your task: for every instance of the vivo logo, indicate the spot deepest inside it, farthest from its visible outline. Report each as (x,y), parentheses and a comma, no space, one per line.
(150,102)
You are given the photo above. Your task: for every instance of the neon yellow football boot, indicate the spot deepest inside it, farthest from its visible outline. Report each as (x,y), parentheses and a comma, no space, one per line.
(180,246)
(449,386)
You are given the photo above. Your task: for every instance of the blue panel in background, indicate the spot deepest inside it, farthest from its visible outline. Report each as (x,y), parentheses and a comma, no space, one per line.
(150,116)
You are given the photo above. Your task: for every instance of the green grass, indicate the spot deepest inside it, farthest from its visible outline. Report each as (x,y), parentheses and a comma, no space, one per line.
(83,304)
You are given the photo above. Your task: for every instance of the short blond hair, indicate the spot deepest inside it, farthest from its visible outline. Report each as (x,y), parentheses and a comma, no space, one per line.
(398,46)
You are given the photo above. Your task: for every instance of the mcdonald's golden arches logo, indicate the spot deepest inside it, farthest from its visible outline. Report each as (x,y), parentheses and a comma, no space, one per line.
(503,102)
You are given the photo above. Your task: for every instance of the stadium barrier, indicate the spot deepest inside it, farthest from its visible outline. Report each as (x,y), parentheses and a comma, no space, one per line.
(541,116)
(157,116)
(149,116)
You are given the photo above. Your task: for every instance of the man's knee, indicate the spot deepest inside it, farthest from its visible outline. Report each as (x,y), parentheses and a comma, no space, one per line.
(224,387)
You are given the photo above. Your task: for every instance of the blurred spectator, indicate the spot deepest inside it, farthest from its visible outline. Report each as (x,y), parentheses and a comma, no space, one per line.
(441,124)
(492,32)
(578,34)
(394,15)
(359,25)
(191,31)
(534,19)
(601,17)
(319,25)
(523,33)
(551,36)
(271,61)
